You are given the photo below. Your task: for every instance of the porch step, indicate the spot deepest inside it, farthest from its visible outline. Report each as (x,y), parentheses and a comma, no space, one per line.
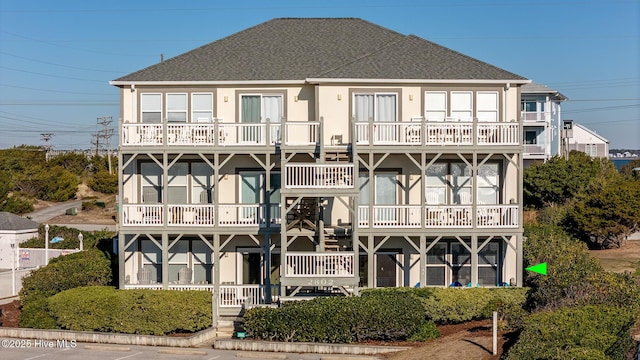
(228,327)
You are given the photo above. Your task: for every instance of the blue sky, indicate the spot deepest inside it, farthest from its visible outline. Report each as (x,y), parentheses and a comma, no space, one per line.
(56,58)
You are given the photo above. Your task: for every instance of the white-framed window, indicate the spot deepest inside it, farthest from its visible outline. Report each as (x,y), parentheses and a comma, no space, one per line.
(178,259)
(462,105)
(201,107)
(193,254)
(452,183)
(487,105)
(257,108)
(151,261)
(150,108)
(375,107)
(151,183)
(177,183)
(449,263)
(176,107)
(530,137)
(591,149)
(201,183)
(435,105)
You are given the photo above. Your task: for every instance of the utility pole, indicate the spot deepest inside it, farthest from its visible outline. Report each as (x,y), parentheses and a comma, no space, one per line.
(106,134)
(46,137)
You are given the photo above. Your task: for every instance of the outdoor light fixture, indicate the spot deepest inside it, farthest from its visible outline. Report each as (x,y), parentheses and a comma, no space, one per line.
(13,268)
(339,96)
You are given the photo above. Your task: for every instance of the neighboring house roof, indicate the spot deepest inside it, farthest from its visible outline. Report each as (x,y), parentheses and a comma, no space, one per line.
(591,132)
(9,221)
(319,48)
(535,88)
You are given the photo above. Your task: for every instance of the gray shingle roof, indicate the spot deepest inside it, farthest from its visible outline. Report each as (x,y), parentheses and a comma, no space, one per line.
(535,88)
(9,221)
(298,49)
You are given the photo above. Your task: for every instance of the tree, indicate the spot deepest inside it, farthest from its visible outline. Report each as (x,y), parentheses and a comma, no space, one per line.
(625,170)
(605,215)
(559,180)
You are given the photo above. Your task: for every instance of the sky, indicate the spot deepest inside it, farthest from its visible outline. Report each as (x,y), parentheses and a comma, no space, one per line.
(57,57)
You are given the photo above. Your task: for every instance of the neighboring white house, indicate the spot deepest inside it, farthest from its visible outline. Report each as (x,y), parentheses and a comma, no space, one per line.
(541,117)
(588,141)
(14,230)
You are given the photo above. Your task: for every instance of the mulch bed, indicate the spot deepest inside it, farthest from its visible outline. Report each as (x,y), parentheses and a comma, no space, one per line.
(10,314)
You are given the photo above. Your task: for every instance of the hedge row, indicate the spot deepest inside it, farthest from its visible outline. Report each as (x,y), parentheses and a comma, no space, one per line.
(105,309)
(585,332)
(85,268)
(456,305)
(381,316)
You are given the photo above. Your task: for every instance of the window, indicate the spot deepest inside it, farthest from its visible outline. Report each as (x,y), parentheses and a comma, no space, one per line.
(151,261)
(462,105)
(151,182)
(591,149)
(449,262)
(452,183)
(532,105)
(201,183)
(178,259)
(177,184)
(487,106)
(435,105)
(177,107)
(375,107)
(201,107)
(259,108)
(488,264)
(252,186)
(530,137)
(151,108)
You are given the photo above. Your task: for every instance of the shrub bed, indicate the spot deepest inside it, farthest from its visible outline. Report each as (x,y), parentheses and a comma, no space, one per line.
(148,312)
(586,332)
(451,305)
(385,316)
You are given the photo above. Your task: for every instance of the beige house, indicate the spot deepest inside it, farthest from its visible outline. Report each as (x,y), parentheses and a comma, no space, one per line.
(302,156)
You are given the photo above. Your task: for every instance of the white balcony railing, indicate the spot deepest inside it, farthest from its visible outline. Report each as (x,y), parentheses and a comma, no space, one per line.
(141,134)
(142,214)
(310,264)
(390,216)
(249,133)
(239,295)
(319,176)
(191,134)
(534,149)
(499,133)
(230,295)
(491,216)
(448,216)
(437,133)
(534,116)
(301,133)
(191,215)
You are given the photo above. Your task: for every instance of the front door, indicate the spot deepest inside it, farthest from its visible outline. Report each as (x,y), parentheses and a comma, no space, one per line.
(386,270)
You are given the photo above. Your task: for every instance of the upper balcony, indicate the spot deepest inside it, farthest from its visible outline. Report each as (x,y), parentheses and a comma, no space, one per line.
(417,132)
(535,117)
(220,134)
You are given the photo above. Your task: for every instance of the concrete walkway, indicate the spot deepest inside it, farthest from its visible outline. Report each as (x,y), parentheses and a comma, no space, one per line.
(50,212)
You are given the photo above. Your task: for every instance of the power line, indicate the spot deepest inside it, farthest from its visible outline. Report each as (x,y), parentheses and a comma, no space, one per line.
(57,91)
(61,65)
(55,76)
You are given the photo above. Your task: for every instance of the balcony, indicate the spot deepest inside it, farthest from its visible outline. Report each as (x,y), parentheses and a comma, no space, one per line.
(437,133)
(438,216)
(220,134)
(319,176)
(235,215)
(319,265)
(535,117)
(534,149)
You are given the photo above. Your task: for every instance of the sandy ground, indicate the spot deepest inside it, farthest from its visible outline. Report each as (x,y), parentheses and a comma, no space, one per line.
(625,258)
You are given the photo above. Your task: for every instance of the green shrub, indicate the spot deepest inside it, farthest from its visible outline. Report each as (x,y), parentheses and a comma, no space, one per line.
(427,331)
(35,314)
(70,236)
(453,305)
(588,332)
(379,315)
(90,267)
(150,312)
(104,182)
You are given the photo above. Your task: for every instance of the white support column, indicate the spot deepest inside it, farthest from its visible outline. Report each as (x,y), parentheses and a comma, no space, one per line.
(371,262)
(423,261)
(216,280)
(165,261)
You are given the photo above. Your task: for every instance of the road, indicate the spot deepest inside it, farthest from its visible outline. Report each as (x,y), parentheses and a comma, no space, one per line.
(52,350)
(53,211)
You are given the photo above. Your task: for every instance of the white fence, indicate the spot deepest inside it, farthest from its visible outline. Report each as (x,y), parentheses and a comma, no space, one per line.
(33,258)
(230,295)
(6,283)
(319,176)
(311,264)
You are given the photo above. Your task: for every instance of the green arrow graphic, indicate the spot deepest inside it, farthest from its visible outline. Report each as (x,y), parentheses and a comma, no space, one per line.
(539,268)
